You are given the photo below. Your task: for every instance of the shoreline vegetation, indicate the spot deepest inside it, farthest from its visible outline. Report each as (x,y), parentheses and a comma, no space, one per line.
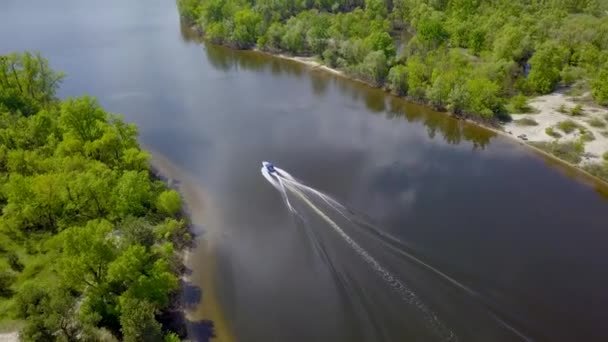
(489,64)
(91,240)
(197,207)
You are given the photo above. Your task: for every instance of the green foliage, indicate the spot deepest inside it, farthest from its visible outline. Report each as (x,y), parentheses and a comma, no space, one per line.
(137,321)
(13,261)
(27,83)
(598,170)
(397,80)
(567,126)
(132,193)
(569,151)
(169,202)
(551,132)
(526,122)
(605,156)
(190,9)
(587,136)
(81,214)
(246,28)
(430,29)
(7,279)
(546,65)
(484,97)
(519,104)
(576,110)
(600,87)
(374,67)
(515,48)
(597,122)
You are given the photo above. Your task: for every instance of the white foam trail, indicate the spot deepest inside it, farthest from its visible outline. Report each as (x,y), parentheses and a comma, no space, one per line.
(406,294)
(277,182)
(342,210)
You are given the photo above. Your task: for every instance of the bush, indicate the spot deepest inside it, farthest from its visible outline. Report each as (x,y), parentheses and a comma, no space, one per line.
(599,87)
(169,202)
(545,67)
(14,262)
(577,110)
(526,122)
(6,281)
(551,132)
(597,122)
(569,151)
(397,80)
(567,126)
(587,136)
(605,156)
(598,170)
(519,104)
(562,109)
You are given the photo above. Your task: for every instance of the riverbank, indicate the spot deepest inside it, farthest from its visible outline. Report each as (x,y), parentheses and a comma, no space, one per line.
(196,203)
(9,337)
(545,110)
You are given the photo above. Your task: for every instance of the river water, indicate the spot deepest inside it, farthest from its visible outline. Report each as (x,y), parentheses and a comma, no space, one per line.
(524,237)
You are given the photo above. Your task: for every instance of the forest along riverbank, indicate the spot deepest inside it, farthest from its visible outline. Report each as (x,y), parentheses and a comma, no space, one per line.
(483,73)
(199,309)
(537,127)
(90,239)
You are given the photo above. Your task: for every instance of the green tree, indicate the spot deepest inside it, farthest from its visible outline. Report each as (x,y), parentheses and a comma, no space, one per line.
(246,28)
(546,65)
(397,79)
(87,253)
(138,322)
(374,67)
(417,78)
(483,97)
(27,83)
(132,193)
(381,41)
(169,202)
(600,87)
(82,117)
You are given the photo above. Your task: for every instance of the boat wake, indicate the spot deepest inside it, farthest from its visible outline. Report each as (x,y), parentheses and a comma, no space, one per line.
(286,184)
(338,217)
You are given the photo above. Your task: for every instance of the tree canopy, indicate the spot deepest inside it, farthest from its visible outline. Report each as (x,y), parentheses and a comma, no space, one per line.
(468,56)
(87,232)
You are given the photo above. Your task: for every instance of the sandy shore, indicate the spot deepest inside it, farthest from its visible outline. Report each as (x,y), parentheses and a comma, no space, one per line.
(546,114)
(9,337)
(311,62)
(195,204)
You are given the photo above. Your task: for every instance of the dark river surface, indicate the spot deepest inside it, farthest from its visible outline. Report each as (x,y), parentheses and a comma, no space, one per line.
(524,241)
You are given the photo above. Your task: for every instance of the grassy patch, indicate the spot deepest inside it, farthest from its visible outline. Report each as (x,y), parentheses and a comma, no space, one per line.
(571,151)
(577,89)
(562,109)
(526,122)
(552,132)
(567,126)
(598,170)
(597,122)
(605,156)
(577,110)
(587,136)
(604,134)
(519,105)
